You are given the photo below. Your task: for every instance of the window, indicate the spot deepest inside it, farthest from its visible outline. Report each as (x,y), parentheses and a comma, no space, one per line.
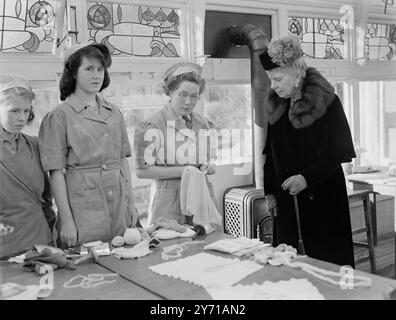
(27,25)
(320,38)
(128,30)
(229,108)
(131,30)
(380,42)
(378,122)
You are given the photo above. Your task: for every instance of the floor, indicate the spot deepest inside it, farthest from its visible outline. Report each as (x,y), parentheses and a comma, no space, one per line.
(385,257)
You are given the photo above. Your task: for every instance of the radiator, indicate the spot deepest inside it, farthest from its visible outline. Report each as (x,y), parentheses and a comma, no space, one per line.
(245,214)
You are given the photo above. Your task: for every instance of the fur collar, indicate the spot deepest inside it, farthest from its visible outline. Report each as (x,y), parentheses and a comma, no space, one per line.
(316,95)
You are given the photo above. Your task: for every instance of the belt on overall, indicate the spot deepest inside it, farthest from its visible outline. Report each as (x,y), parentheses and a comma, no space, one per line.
(110,165)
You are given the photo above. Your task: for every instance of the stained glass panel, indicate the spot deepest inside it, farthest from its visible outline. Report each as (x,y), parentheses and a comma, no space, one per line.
(320,38)
(135,30)
(27,25)
(380,42)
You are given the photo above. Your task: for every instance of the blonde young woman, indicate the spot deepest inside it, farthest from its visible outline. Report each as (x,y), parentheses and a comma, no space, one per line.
(25,199)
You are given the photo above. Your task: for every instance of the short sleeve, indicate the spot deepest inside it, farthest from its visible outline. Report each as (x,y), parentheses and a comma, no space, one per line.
(53,141)
(147,144)
(125,145)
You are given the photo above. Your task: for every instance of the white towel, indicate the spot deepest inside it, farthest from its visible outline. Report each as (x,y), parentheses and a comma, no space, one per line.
(195,198)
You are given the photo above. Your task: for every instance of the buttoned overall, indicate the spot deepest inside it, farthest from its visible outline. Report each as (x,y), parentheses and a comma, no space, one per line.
(24,195)
(90,147)
(164,140)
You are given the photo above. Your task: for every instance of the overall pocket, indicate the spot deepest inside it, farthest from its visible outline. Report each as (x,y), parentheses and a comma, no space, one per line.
(90,215)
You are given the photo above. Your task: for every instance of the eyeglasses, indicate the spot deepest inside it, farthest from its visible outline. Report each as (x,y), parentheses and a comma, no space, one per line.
(184,95)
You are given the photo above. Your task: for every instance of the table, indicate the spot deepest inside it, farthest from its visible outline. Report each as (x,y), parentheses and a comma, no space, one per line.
(138,282)
(119,290)
(380,183)
(137,271)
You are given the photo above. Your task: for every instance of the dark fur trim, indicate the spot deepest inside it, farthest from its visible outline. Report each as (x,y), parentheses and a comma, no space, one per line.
(316,95)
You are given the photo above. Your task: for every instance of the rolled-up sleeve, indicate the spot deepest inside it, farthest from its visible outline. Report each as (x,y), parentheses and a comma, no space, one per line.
(53,141)
(147,144)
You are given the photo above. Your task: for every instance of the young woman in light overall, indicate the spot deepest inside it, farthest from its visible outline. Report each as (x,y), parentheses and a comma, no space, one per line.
(174,126)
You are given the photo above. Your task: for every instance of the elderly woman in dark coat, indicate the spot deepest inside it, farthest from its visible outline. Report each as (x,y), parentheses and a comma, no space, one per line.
(307,140)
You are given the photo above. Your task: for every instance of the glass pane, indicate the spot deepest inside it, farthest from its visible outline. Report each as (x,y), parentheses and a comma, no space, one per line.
(320,38)
(27,25)
(45,100)
(378,122)
(135,94)
(229,108)
(156,32)
(135,30)
(380,42)
(369,123)
(343,90)
(389,114)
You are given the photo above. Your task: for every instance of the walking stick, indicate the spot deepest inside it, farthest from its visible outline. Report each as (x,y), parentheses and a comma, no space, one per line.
(300,240)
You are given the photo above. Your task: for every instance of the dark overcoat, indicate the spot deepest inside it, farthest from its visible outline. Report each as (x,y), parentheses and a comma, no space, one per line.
(311,138)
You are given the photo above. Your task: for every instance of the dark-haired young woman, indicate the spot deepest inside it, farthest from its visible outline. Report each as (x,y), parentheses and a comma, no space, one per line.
(84,145)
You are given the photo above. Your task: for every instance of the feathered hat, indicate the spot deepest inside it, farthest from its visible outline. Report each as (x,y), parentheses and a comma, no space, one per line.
(281,52)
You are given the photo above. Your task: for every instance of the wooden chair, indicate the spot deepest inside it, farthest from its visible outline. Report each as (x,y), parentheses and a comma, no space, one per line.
(364,196)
